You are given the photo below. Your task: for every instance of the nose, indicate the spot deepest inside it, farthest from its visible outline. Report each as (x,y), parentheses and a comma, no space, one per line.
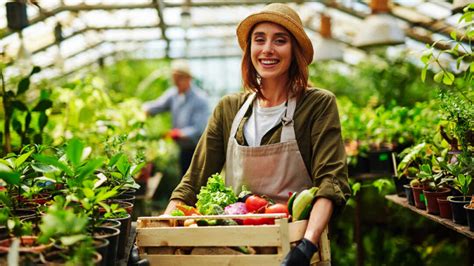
(268,47)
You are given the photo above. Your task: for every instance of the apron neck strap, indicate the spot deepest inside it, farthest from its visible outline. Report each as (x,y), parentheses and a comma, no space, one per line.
(240,114)
(288,131)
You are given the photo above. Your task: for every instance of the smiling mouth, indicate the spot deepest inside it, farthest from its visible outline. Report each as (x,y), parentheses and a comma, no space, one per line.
(269,62)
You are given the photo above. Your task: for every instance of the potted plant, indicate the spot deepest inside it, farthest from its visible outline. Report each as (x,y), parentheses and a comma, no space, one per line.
(462,183)
(418,195)
(435,189)
(470,213)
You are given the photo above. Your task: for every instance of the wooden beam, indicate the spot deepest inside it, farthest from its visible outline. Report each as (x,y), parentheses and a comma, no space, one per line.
(159,6)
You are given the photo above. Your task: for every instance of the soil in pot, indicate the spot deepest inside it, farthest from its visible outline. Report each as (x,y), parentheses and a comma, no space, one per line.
(56,258)
(431,196)
(419,197)
(125,197)
(409,194)
(445,208)
(457,206)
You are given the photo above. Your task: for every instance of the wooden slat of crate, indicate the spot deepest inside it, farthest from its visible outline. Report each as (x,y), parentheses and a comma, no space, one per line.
(214,260)
(263,235)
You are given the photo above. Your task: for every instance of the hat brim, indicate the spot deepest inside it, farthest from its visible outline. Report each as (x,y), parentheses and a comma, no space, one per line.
(244,27)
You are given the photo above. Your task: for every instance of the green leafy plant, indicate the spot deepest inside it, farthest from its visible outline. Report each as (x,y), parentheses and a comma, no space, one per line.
(16,107)
(213,197)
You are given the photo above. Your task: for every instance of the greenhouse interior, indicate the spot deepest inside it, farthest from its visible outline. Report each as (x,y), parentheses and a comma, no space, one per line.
(207,132)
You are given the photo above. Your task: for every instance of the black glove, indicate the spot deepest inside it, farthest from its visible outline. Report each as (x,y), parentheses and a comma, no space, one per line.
(301,254)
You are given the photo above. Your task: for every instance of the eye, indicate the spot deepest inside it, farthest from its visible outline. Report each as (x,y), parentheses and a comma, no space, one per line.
(281,41)
(259,39)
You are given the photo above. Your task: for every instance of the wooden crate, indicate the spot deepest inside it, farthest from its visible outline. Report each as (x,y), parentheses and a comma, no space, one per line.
(153,232)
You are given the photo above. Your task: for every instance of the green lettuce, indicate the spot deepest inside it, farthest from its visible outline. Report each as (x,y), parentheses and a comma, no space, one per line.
(215,196)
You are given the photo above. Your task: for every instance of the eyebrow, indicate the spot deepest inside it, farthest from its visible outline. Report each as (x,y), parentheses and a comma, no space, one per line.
(278,34)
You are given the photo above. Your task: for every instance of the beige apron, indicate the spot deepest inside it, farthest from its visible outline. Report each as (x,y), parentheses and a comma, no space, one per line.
(272,170)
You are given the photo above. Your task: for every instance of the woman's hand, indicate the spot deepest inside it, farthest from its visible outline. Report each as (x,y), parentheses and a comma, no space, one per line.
(301,254)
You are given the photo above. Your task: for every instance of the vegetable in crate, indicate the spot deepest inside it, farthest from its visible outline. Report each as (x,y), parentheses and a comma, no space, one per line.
(215,196)
(301,204)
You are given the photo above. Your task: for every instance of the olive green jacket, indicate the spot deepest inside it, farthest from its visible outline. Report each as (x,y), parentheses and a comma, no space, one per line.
(318,134)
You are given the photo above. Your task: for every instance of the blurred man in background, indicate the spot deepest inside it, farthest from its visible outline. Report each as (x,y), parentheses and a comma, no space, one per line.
(189,109)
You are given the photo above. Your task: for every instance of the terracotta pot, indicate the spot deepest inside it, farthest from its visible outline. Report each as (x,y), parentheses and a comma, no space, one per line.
(27,244)
(431,196)
(419,197)
(470,216)
(445,208)
(54,258)
(457,206)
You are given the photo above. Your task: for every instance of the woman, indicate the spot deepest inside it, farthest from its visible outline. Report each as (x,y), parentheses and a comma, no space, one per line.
(281,135)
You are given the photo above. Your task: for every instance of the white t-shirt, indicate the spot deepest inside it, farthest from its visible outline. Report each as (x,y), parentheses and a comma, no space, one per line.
(261,121)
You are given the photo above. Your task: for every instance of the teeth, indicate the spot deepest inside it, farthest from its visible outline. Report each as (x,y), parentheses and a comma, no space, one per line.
(268,62)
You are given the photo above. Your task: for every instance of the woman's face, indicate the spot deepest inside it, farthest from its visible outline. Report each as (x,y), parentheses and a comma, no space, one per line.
(270,50)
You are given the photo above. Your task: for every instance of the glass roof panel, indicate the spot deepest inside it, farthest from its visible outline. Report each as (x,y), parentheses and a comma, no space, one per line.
(211,31)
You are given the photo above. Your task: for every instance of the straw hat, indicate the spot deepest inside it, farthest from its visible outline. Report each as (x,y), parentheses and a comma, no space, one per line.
(181,67)
(282,15)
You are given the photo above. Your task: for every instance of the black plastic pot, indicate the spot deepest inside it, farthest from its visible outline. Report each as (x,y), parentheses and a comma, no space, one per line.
(381,162)
(125,197)
(101,245)
(112,235)
(457,206)
(470,217)
(362,166)
(125,225)
(399,183)
(409,194)
(110,223)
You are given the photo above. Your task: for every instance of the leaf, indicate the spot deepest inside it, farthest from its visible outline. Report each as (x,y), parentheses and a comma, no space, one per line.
(136,168)
(423,74)
(453,35)
(448,78)
(355,188)
(42,121)
(22,158)
(16,125)
(123,165)
(89,193)
(27,121)
(19,105)
(54,162)
(71,240)
(74,152)
(12,178)
(89,168)
(35,70)
(43,105)
(23,86)
(438,77)
(43,168)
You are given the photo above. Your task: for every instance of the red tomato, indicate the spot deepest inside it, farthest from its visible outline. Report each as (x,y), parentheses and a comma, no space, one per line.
(258,221)
(277,208)
(255,203)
